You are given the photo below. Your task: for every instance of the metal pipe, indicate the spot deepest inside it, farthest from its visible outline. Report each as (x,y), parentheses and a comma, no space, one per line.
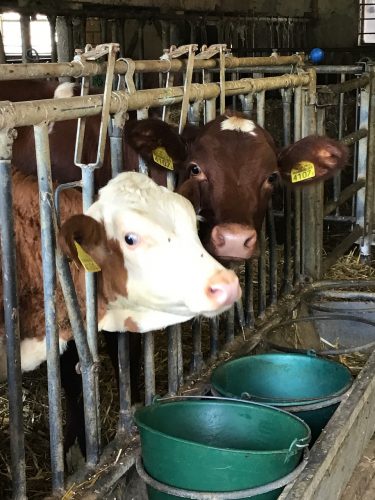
(48,242)
(344,245)
(362,155)
(214,337)
(297,190)
(337,177)
(26,113)
(11,318)
(286,96)
(345,195)
(125,420)
(172,360)
(77,69)
(249,294)
(312,197)
(272,255)
(25,37)
(149,366)
(355,83)
(262,285)
(197,355)
(370,173)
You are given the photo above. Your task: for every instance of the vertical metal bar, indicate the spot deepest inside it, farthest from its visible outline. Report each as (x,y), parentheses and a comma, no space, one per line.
(247,101)
(286,95)
(312,197)
(362,163)
(125,417)
(52,27)
(370,173)
(261,108)
(234,77)
(175,365)
(272,255)
(337,178)
(25,36)
(229,325)
(214,337)
(297,190)
(210,104)
(262,286)
(249,294)
(11,318)
(197,356)
(48,240)
(187,84)
(222,80)
(149,367)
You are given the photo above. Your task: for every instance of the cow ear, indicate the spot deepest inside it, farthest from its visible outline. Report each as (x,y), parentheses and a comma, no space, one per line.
(149,137)
(83,239)
(312,159)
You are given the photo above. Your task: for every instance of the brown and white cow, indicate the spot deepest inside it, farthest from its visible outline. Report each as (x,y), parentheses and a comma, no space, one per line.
(152,269)
(228,169)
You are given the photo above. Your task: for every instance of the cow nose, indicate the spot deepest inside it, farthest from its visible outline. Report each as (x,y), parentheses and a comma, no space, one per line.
(223,288)
(233,241)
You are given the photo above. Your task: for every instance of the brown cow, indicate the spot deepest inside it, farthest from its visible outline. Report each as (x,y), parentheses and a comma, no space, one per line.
(227,169)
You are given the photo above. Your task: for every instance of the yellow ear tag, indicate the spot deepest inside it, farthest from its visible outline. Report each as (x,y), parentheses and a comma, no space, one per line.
(86,260)
(302,171)
(161,157)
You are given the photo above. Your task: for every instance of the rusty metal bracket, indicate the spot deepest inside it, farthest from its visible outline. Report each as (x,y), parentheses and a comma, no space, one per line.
(208,53)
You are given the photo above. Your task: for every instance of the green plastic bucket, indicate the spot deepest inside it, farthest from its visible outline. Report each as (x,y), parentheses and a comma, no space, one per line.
(308,386)
(216,445)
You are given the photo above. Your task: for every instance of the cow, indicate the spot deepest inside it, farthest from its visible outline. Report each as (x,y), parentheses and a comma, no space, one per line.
(228,169)
(229,191)
(152,269)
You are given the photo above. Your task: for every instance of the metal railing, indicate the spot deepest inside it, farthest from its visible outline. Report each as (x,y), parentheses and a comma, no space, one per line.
(302,247)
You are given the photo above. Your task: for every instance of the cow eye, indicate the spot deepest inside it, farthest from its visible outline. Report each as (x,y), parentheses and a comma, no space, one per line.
(194,169)
(131,239)
(273,178)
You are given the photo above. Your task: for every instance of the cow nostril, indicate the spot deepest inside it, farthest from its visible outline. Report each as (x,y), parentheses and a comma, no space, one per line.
(251,240)
(218,237)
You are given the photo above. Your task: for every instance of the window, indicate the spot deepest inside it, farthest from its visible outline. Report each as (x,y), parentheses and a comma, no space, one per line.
(366,21)
(39,34)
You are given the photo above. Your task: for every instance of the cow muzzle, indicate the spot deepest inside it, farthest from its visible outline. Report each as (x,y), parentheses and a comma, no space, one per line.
(233,241)
(223,289)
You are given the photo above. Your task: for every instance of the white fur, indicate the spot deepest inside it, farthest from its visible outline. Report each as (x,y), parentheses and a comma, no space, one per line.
(239,124)
(33,353)
(168,272)
(64,90)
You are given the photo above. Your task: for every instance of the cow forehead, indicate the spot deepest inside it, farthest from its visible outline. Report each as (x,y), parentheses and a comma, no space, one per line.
(239,124)
(132,200)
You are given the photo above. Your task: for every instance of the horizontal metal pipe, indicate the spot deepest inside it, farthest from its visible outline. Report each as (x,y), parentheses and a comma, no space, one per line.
(346,194)
(78,68)
(285,69)
(26,113)
(350,139)
(342,248)
(355,83)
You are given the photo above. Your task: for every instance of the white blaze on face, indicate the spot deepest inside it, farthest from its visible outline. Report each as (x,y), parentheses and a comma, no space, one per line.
(239,124)
(168,269)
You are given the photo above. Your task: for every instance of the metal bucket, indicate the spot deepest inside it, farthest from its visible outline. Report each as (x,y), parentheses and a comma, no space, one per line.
(305,385)
(196,447)
(349,334)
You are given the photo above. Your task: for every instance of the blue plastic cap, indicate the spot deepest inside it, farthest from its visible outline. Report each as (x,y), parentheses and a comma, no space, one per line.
(316,55)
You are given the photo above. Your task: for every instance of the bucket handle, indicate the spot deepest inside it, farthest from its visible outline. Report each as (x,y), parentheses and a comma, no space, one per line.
(227,495)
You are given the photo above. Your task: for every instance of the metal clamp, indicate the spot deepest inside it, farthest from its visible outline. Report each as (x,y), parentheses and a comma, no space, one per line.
(92,54)
(211,51)
(128,77)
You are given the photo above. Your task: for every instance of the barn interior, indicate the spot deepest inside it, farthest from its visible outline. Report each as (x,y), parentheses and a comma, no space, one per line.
(295,68)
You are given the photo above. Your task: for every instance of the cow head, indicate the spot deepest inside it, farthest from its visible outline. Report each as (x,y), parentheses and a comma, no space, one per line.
(229,169)
(153,269)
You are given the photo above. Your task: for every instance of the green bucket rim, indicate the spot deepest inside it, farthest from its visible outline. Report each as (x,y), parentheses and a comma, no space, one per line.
(284,402)
(303,442)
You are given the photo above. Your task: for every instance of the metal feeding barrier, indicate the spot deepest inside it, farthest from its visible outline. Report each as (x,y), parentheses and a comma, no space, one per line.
(303,222)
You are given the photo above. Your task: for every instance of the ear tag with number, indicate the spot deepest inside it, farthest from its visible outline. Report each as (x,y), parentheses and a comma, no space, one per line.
(161,157)
(86,260)
(302,171)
